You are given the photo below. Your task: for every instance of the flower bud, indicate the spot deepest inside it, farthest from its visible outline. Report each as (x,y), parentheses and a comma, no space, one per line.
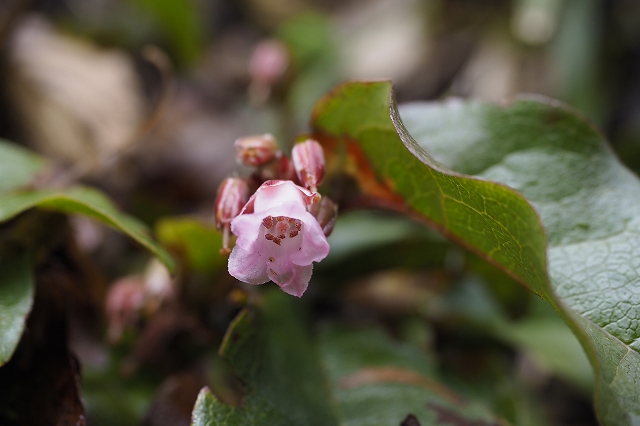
(308,162)
(125,298)
(279,169)
(326,212)
(233,194)
(255,150)
(267,69)
(268,62)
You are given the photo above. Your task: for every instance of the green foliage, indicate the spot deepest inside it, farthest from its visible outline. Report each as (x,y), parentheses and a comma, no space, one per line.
(198,242)
(271,353)
(578,206)
(180,23)
(86,201)
(371,379)
(310,37)
(19,166)
(16,299)
(377,381)
(16,294)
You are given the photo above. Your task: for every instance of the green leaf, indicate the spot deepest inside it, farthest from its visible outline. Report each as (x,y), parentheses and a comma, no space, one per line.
(576,206)
(16,299)
(377,381)
(86,201)
(551,344)
(198,242)
(372,380)
(273,356)
(18,166)
(180,23)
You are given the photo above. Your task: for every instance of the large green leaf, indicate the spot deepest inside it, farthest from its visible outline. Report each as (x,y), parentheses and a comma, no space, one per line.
(16,299)
(372,380)
(86,201)
(576,206)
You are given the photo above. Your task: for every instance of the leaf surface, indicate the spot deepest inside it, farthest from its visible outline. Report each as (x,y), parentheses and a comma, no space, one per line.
(18,166)
(86,201)
(198,242)
(357,377)
(570,233)
(16,300)
(273,356)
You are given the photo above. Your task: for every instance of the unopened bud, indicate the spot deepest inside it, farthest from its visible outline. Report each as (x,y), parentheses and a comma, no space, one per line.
(158,285)
(326,212)
(233,194)
(279,169)
(267,68)
(125,298)
(255,150)
(308,162)
(269,62)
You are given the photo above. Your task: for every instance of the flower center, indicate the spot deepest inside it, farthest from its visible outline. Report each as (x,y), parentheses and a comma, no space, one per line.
(279,228)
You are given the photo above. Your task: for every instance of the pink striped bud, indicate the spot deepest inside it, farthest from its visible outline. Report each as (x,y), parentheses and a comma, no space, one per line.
(255,150)
(308,161)
(233,194)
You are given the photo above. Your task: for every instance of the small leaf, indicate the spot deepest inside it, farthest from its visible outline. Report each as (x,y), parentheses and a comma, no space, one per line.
(86,201)
(16,299)
(18,166)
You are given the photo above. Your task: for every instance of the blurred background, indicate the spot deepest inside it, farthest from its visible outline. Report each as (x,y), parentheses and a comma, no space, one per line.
(144,98)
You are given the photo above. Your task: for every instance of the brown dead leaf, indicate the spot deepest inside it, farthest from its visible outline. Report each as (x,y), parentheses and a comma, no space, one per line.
(78,102)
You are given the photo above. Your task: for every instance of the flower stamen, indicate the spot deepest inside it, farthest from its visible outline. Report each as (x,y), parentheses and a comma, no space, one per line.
(267,222)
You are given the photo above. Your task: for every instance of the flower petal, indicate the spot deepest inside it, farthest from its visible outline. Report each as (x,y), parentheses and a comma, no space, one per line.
(296,281)
(248,266)
(247,228)
(273,192)
(314,243)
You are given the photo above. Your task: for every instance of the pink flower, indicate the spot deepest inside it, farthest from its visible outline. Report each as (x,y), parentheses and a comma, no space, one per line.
(278,239)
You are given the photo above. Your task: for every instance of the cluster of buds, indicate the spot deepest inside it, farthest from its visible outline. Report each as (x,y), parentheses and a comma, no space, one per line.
(281,229)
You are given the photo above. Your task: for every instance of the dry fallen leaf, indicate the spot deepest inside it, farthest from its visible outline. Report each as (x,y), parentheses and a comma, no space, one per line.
(78,103)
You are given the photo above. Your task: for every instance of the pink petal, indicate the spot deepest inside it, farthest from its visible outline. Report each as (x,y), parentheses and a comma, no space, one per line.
(273,192)
(314,243)
(297,279)
(248,266)
(247,228)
